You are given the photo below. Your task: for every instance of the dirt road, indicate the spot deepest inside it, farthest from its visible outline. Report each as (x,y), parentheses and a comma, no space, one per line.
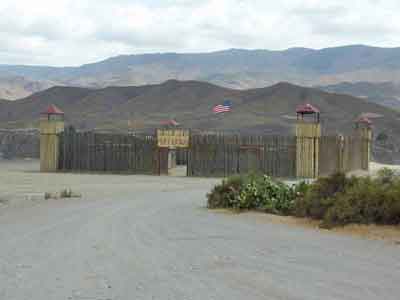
(138,237)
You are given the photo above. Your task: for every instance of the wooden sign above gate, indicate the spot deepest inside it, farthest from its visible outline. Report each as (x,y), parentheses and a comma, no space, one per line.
(173,138)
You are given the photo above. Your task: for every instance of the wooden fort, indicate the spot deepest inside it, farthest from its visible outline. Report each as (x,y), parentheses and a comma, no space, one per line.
(306,154)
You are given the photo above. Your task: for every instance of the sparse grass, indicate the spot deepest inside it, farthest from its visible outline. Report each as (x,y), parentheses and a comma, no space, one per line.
(63,194)
(3,200)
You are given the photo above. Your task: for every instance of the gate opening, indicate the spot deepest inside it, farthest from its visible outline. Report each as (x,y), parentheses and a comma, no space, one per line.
(173,145)
(177,162)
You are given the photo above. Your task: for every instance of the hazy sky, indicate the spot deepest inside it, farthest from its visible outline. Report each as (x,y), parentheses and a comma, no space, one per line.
(73,32)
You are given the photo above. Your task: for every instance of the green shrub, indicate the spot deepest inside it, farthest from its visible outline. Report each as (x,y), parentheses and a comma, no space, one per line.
(336,200)
(386,175)
(368,201)
(223,194)
(278,197)
(319,196)
(255,192)
(301,188)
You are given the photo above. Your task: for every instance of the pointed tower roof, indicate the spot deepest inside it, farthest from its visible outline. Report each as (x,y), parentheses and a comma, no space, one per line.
(171,122)
(364,120)
(53,110)
(307,109)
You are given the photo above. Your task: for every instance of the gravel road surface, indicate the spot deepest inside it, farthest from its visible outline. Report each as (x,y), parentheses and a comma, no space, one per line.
(138,237)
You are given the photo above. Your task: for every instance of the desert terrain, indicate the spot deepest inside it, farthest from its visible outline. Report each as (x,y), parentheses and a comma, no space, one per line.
(143,237)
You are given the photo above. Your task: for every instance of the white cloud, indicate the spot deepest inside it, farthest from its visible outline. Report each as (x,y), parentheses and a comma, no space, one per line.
(71,32)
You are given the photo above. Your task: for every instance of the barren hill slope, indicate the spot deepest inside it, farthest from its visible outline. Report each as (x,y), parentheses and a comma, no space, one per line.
(191,103)
(384,93)
(12,88)
(267,110)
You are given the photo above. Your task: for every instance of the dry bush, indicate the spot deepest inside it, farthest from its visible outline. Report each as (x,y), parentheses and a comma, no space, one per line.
(338,200)
(63,194)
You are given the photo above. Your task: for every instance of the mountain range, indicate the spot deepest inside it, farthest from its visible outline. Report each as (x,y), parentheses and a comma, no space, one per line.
(16,87)
(234,68)
(383,93)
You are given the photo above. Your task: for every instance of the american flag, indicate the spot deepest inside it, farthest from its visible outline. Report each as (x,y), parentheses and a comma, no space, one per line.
(222,108)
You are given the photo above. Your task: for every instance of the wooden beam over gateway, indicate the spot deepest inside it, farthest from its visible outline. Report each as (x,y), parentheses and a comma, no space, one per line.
(173,138)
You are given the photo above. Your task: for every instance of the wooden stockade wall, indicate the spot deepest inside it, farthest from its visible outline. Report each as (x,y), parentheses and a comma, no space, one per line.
(343,154)
(355,153)
(100,152)
(219,155)
(330,158)
(213,155)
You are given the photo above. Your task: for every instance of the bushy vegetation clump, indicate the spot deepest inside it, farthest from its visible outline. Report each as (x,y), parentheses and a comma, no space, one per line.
(224,194)
(338,200)
(335,200)
(253,192)
(319,196)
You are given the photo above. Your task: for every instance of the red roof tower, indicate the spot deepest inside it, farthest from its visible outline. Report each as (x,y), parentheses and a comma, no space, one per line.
(307,109)
(363,121)
(53,110)
(53,113)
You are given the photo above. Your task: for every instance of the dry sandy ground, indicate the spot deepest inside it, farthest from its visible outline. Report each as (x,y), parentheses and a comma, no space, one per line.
(141,237)
(388,234)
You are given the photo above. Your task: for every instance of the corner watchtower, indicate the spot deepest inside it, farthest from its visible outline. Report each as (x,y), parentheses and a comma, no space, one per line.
(51,124)
(308,133)
(363,127)
(363,131)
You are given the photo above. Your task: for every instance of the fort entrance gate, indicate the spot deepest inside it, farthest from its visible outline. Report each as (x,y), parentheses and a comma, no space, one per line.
(171,142)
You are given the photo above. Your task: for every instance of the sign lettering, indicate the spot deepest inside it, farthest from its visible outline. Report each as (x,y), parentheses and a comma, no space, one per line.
(173,138)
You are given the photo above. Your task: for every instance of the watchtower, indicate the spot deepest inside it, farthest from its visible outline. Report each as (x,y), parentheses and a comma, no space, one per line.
(51,124)
(308,133)
(363,127)
(363,130)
